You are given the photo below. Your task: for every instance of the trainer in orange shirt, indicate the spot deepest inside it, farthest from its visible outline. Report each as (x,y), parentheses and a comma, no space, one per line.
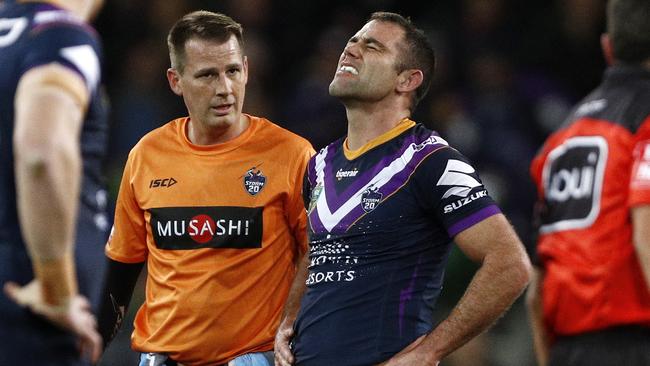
(212,202)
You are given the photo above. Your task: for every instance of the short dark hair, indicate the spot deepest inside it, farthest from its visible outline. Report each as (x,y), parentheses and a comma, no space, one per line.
(418,52)
(628,26)
(204,25)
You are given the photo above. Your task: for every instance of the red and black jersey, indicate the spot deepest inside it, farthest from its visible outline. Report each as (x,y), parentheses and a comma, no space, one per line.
(589,174)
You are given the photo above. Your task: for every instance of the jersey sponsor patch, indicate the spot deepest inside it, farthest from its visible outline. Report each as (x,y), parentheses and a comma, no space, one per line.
(464,201)
(254,181)
(457,174)
(572,178)
(641,170)
(181,228)
(340,174)
(162,182)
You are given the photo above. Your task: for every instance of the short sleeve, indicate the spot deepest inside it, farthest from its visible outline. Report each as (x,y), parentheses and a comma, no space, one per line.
(296,209)
(75,46)
(452,191)
(128,240)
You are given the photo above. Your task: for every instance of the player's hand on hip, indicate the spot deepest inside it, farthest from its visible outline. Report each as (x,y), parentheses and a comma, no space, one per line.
(283,354)
(413,355)
(74,316)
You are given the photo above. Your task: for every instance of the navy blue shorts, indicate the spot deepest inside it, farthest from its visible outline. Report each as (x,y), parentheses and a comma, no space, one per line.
(27,340)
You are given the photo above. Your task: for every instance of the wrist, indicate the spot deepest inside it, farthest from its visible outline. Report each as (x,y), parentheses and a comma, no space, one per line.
(57,277)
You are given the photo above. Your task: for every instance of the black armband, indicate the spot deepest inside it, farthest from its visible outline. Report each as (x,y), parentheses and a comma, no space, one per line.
(120,281)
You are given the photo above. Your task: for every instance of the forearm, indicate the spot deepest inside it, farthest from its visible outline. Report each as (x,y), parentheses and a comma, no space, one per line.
(284,335)
(495,286)
(535,314)
(296,292)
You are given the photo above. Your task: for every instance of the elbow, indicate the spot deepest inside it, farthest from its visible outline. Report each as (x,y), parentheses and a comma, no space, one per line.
(37,160)
(520,272)
(524,271)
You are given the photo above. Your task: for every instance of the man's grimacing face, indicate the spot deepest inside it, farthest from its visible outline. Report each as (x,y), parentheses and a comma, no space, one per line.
(367,67)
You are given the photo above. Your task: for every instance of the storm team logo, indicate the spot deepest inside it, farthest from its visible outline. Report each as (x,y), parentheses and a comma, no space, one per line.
(370,198)
(254,181)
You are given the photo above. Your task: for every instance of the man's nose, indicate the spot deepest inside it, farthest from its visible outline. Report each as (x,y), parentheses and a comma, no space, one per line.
(222,85)
(351,50)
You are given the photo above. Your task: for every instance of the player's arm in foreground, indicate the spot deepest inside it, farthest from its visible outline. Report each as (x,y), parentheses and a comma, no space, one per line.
(283,354)
(503,274)
(50,104)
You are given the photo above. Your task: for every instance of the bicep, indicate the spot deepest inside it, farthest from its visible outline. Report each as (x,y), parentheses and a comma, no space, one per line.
(493,235)
(50,103)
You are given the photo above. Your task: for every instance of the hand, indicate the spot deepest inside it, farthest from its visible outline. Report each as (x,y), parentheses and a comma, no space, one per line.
(75,316)
(413,355)
(283,355)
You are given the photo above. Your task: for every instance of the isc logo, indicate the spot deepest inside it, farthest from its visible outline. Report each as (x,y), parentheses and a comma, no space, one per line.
(167,182)
(573,179)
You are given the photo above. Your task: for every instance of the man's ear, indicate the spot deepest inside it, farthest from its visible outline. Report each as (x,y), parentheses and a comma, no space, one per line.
(409,80)
(174,79)
(608,50)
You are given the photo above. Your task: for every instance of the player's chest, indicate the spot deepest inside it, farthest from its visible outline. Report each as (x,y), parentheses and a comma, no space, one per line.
(347,193)
(206,182)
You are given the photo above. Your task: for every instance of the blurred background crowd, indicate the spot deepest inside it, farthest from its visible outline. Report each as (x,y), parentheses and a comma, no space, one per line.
(507,74)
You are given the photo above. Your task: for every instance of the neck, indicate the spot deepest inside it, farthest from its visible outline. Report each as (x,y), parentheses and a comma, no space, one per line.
(200,134)
(368,121)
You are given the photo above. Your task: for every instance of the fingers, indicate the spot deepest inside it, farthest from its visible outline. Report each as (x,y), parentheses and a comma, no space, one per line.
(283,355)
(84,324)
(75,317)
(12,290)
(90,344)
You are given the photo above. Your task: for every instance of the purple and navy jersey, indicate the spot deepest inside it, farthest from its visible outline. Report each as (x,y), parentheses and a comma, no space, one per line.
(381,228)
(36,34)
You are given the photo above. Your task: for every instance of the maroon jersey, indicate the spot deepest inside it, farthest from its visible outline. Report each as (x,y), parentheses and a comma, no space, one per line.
(589,175)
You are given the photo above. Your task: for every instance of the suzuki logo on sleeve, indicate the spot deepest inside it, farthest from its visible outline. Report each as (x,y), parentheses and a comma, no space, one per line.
(573,178)
(458,175)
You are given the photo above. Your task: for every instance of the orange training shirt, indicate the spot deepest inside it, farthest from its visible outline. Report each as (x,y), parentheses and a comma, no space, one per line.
(220,227)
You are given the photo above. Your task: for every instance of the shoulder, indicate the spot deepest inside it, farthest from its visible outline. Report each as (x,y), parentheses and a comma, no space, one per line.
(159,137)
(281,135)
(623,98)
(439,158)
(59,27)
(56,36)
